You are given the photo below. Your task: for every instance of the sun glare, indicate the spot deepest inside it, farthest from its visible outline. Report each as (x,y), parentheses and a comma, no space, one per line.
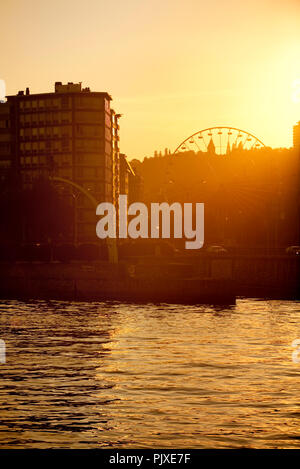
(296,91)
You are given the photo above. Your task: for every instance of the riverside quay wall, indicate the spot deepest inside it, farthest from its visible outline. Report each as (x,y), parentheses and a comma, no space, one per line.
(212,279)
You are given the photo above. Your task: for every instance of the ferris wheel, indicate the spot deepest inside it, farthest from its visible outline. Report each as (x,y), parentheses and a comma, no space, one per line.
(220,140)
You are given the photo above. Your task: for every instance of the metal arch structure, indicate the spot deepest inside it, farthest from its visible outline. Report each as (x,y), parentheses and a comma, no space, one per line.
(76,186)
(111,242)
(211,140)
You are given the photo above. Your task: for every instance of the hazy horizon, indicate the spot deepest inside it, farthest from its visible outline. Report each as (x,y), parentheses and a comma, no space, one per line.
(172,67)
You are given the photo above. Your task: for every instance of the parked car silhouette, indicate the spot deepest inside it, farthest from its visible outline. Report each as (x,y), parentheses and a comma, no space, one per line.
(293,250)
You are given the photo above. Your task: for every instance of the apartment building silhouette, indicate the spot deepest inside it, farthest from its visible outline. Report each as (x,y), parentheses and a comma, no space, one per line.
(72,134)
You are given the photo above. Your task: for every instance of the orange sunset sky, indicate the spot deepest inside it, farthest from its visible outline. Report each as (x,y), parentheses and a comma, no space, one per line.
(173,67)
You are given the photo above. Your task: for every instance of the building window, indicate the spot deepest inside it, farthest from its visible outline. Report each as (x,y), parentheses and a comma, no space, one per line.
(65,101)
(65,143)
(88,116)
(107,105)
(66,131)
(107,120)
(65,117)
(79,172)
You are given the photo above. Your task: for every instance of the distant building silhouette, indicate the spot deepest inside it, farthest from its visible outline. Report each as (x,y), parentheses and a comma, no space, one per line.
(211,147)
(251,197)
(8,161)
(167,152)
(126,175)
(72,133)
(296,136)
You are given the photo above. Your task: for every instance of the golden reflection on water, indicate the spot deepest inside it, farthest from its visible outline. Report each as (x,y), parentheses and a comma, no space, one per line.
(117,375)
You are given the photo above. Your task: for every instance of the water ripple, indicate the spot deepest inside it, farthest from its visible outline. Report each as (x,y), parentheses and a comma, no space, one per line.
(83,375)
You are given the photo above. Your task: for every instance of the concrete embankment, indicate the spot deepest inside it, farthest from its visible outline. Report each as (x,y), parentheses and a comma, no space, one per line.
(209,279)
(272,276)
(157,282)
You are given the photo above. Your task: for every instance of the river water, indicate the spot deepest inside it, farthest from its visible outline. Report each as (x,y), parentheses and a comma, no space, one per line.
(112,375)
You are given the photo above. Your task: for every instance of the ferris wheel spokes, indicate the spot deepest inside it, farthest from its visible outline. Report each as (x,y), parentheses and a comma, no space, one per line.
(221,140)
